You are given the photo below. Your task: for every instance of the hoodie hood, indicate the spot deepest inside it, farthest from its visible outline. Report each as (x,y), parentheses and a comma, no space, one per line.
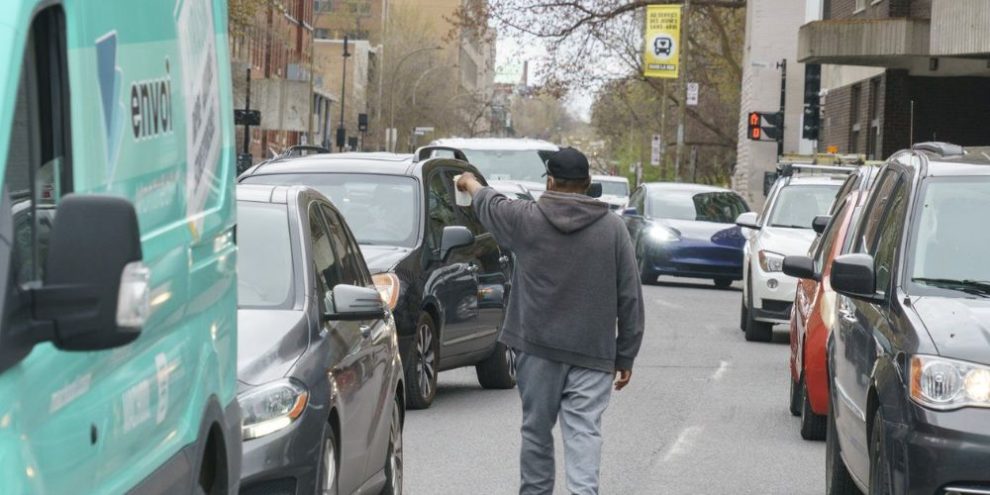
(570,212)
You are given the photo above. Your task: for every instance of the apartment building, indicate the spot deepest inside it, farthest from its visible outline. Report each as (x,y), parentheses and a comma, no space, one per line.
(900,71)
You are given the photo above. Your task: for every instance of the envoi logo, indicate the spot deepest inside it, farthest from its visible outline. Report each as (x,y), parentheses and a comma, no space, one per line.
(151,106)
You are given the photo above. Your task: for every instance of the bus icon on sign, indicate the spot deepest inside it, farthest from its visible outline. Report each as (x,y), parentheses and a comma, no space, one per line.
(663,46)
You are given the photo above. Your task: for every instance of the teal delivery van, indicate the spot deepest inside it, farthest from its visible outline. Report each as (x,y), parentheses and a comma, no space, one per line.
(118,301)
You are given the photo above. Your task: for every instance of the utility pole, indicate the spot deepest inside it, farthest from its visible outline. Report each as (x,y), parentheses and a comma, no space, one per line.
(782,65)
(341,132)
(682,87)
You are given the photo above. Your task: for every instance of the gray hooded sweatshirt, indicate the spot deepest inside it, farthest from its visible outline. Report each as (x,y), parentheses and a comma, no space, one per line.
(576,296)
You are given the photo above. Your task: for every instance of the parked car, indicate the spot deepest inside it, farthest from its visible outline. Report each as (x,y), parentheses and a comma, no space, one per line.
(801,193)
(512,190)
(909,362)
(500,159)
(686,230)
(118,306)
(615,191)
(814,305)
(440,270)
(320,379)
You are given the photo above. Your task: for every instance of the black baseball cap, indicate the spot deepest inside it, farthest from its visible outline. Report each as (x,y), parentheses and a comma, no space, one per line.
(568,163)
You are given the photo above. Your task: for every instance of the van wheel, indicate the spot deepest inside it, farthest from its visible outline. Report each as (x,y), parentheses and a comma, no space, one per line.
(421,371)
(212,479)
(329,462)
(498,371)
(880,482)
(813,426)
(838,481)
(393,461)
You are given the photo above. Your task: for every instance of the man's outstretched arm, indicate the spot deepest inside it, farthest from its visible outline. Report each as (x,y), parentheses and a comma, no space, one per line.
(495,211)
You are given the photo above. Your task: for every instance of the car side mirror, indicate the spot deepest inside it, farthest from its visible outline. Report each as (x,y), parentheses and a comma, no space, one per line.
(95,292)
(748,220)
(353,303)
(854,275)
(454,236)
(820,223)
(595,190)
(630,212)
(800,267)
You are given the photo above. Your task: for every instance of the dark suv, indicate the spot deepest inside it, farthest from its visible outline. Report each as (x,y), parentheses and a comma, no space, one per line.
(440,271)
(909,357)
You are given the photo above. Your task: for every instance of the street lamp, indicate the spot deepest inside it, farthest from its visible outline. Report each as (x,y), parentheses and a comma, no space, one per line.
(391,88)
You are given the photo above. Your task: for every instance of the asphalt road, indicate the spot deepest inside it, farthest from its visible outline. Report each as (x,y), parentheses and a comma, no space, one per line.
(706,413)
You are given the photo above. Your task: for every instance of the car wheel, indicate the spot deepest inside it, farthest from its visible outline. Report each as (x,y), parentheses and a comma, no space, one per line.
(880,482)
(646,275)
(756,331)
(813,425)
(421,372)
(393,462)
(838,481)
(723,283)
(498,371)
(743,313)
(329,463)
(795,405)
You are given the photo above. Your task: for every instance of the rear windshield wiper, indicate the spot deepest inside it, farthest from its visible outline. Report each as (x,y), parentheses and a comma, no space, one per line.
(976,287)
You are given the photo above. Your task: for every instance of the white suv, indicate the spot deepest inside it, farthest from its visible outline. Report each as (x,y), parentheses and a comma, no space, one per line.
(507,159)
(783,229)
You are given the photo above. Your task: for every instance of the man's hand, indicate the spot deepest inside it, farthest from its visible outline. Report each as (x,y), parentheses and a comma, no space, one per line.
(622,378)
(469,183)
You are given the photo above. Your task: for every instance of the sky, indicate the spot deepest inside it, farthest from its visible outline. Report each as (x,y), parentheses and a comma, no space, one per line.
(509,57)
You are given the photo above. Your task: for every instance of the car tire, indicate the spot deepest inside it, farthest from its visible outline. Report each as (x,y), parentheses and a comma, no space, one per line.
(646,275)
(813,425)
(329,463)
(795,403)
(838,481)
(743,314)
(421,371)
(498,371)
(393,460)
(880,482)
(756,331)
(723,283)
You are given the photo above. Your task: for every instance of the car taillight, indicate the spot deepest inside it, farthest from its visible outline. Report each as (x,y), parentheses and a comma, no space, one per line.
(388,286)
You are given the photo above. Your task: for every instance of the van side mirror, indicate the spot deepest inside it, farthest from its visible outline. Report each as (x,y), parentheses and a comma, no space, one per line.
(595,190)
(454,236)
(800,267)
(854,275)
(95,292)
(820,223)
(353,303)
(748,220)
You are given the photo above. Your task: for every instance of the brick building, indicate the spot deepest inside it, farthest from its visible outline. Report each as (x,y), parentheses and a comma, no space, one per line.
(900,71)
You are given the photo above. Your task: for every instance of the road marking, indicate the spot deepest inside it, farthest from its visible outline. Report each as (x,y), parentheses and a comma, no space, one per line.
(683,442)
(722,366)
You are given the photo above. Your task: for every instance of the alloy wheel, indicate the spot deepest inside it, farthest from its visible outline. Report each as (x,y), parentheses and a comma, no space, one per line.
(329,467)
(426,362)
(395,451)
(510,358)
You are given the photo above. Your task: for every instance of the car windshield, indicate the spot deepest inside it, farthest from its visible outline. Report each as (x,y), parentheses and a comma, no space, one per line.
(508,164)
(717,207)
(798,205)
(949,246)
(379,209)
(264,256)
(614,188)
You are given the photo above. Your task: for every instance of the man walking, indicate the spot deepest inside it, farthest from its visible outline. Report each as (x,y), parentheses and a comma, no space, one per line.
(575,316)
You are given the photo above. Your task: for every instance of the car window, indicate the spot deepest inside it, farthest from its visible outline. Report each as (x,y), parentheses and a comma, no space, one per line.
(441,209)
(797,205)
(466,215)
(885,250)
(524,165)
(826,242)
(851,183)
(380,209)
(875,209)
(636,200)
(264,256)
(325,262)
(613,187)
(351,261)
(717,207)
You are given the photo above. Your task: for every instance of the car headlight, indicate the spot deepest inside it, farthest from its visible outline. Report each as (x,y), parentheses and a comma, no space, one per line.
(771,261)
(271,407)
(388,286)
(662,234)
(943,384)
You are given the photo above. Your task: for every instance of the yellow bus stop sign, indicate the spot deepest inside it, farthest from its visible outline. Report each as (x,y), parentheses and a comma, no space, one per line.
(661,57)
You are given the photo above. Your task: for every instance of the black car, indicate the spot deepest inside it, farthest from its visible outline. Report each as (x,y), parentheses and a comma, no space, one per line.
(320,381)
(909,357)
(441,272)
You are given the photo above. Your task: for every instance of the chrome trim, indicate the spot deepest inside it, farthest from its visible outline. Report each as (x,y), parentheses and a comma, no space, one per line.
(965,491)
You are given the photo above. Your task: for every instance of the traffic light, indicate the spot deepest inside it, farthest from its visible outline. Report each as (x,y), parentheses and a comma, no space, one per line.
(812,101)
(765,126)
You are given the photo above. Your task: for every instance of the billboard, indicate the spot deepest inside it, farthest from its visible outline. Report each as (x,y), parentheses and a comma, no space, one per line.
(661,57)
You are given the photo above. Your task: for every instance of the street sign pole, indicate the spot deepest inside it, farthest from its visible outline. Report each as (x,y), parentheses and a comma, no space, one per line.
(247,106)
(682,88)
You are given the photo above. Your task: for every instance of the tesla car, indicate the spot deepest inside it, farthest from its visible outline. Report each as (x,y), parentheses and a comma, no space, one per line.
(686,230)
(320,381)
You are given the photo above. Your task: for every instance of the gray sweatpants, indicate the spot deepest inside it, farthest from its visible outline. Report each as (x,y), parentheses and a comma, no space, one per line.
(578,396)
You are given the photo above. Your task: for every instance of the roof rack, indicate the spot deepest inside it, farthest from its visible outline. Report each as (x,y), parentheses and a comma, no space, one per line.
(789,169)
(939,148)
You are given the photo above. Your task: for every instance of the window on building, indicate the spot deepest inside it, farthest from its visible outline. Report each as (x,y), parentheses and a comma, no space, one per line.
(855,101)
(323,6)
(860,5)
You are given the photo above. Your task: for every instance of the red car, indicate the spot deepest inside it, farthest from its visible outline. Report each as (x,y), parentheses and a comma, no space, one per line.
(814,306)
